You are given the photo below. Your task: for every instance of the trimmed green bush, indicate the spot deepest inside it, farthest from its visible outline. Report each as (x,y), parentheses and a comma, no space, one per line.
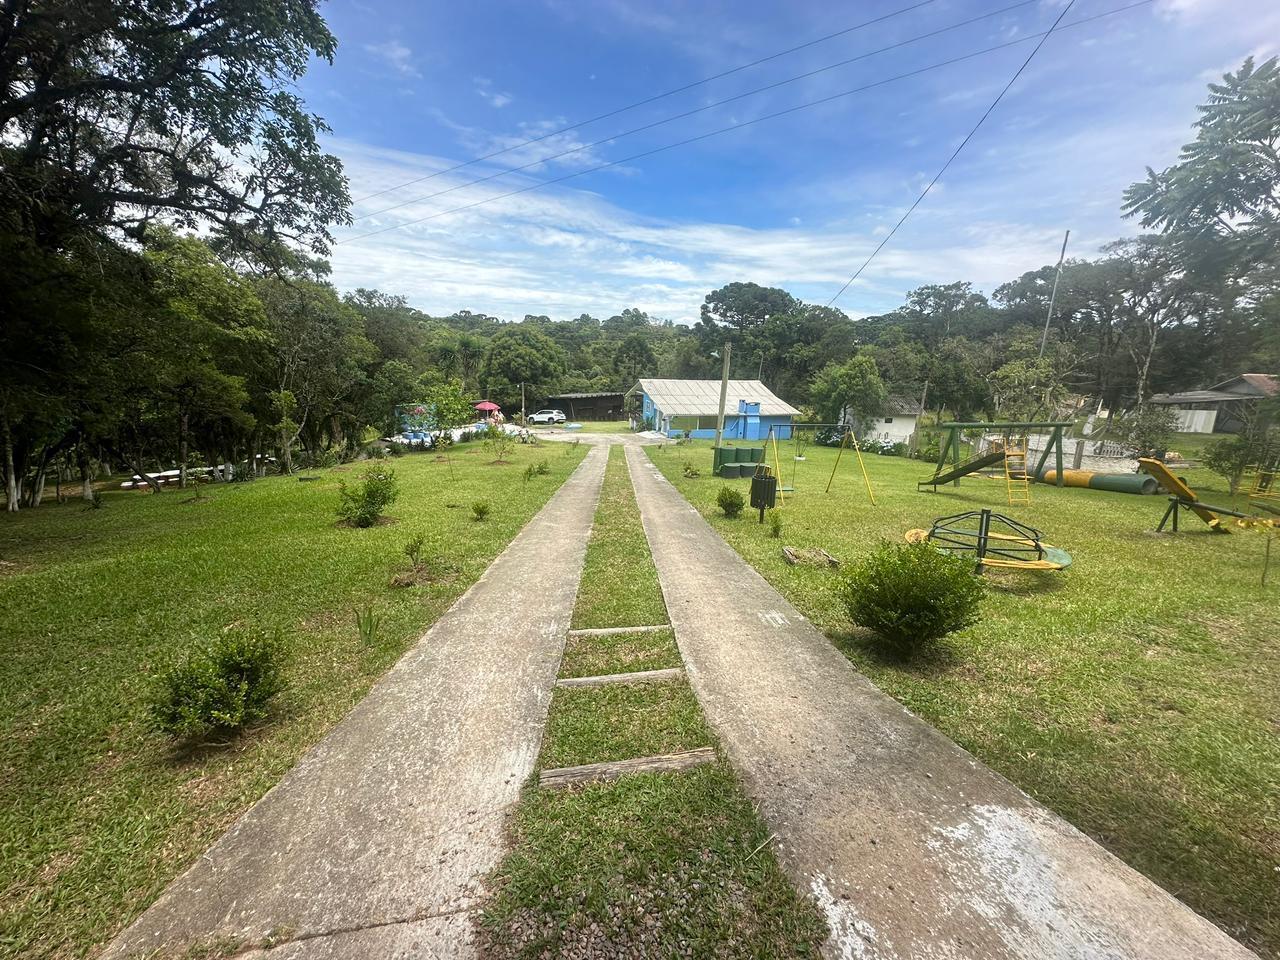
(911,594)
(218,688)
(730,501)
(480,510)
(364,503)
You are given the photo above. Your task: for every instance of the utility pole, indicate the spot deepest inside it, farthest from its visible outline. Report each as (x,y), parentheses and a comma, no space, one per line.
(523,418)
(1054,295)
(724,392)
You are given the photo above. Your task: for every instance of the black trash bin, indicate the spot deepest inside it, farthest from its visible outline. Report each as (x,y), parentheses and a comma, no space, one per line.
(764,491)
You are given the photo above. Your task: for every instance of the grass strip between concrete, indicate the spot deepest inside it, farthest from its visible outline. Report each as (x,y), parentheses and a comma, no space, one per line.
(650,864)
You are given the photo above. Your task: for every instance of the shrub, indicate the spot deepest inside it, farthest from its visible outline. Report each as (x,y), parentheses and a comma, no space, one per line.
(730,501)
(413,550)
(498,442)
(395,449)
(324,457)
(377,451)
(219,688)
(241,473)
(691,471)
(911,594)
(479,510)
(544,468)
(1229,458)
(530,472)
(775,522)
(376,491)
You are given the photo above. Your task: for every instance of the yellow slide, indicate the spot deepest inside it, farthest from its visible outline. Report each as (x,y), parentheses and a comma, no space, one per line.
(1176,488)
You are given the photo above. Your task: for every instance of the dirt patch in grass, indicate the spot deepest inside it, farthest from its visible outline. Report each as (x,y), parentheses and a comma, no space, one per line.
(379,522)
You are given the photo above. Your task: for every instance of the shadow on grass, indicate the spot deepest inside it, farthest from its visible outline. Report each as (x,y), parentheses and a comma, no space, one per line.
(931,659)
(1024,583)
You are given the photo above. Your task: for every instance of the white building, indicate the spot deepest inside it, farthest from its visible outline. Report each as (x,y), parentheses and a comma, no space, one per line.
(897,423)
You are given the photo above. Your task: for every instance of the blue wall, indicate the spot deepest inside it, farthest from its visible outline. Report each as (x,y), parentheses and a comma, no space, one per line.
(735,426)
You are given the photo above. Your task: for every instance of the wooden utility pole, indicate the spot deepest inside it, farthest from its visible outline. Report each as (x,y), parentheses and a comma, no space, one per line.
(523,418)
(724,392)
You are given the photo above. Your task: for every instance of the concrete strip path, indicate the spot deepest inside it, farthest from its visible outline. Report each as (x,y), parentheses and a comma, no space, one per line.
(378,841)
(914,849)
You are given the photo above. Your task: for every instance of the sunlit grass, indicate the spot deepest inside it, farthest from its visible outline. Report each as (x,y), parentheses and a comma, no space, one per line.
(97,811)
(1138,694)
(658,864)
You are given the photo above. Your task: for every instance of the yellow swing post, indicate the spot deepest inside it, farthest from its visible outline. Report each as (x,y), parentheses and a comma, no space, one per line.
(861,465)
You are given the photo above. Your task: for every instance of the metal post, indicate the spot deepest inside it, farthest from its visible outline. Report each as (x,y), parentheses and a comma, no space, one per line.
(1053,296)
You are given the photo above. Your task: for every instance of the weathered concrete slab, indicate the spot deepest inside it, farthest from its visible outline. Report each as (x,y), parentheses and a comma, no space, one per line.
(911,846)
(387,827)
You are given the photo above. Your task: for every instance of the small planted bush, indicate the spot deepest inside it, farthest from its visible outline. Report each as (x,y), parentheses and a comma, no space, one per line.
(690,471)
(774,516)
(911,594)
(363,504)
(479,510)
(730,501)
(219,688)
(543,468)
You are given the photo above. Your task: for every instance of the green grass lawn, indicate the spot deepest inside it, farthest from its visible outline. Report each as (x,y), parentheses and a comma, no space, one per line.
(97,811)
(1137,694)
(619,581)
(654,864)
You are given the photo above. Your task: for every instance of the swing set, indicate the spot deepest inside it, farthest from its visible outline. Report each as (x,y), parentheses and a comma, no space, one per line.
(849,438)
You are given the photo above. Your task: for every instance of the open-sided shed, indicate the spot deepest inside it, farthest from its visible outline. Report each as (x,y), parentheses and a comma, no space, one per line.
(676,407)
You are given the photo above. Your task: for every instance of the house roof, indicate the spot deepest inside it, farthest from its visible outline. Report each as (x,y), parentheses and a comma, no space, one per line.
(1243,387)
(584,396)
(701,398)
(1250,384)
(902,406)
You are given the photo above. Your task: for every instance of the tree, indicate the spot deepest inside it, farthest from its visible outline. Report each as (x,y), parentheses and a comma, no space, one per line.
(742,306)
(851,392)
(114,114)
(519,355)
(632,359)
(1220,203)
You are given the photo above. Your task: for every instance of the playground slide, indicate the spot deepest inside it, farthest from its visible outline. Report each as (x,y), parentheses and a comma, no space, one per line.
(1175,487)
(971,465)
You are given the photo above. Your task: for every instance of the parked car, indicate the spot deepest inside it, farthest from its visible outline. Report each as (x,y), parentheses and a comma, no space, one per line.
(547,416)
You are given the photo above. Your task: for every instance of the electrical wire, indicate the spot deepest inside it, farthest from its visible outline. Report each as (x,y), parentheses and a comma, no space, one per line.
(697,110)
(747,123)
(963,143)
(656,97)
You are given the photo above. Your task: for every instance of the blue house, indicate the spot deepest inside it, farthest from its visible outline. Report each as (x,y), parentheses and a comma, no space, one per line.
(675,407)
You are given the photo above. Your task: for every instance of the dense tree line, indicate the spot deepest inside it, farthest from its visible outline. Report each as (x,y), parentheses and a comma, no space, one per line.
(165,299)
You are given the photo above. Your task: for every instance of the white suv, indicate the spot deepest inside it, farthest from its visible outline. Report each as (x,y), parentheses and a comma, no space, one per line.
(547,416)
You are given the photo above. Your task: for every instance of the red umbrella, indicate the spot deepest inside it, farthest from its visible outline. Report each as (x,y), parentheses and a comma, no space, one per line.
(488,406)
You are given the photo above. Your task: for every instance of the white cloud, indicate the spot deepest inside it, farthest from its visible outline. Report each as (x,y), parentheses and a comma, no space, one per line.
(495,98)
(396,55)
(564,251)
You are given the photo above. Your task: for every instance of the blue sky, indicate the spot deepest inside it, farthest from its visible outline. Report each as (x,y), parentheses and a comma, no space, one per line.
(798,201)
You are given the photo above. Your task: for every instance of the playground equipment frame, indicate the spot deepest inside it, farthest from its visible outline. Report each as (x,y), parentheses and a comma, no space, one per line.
(951,443)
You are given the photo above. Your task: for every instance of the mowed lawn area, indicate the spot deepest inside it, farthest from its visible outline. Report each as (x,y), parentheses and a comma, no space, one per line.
(98,811)
(1137,694)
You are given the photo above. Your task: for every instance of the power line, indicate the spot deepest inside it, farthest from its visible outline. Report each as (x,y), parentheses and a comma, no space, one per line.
(697,110)
(963,143)
(658,96)
(745,123)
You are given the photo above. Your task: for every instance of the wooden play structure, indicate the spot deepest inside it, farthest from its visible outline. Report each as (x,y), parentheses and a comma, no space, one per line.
(992,540)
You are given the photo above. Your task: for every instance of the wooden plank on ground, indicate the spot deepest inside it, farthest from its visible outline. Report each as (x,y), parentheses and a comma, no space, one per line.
(639,676)
(610,631)
(590,772)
